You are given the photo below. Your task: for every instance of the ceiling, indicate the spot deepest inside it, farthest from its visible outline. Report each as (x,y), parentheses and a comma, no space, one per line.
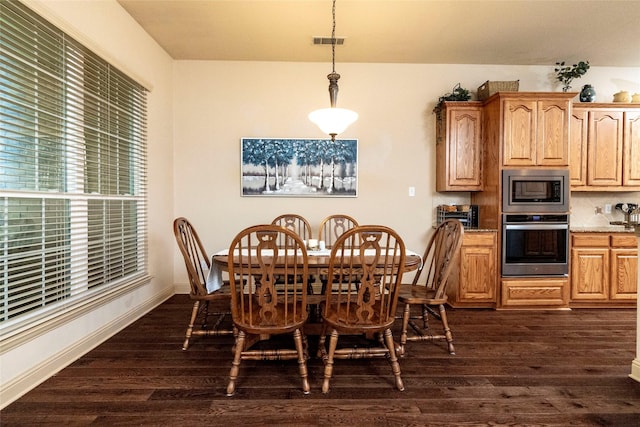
(513,32)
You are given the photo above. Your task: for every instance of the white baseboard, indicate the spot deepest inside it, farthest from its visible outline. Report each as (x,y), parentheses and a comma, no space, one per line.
(20,385)
(635,370)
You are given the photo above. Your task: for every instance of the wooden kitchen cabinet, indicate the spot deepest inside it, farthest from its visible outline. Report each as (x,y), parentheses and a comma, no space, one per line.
(631,156)
(458,146)
(536,131)
(520,292)
(473,280)
(604,269)
(578,147)
(605,148)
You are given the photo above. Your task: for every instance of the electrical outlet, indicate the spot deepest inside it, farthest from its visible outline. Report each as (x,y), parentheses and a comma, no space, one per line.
(412,191)
(607,208)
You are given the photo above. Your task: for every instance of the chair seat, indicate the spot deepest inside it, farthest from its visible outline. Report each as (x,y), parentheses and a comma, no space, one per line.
(416,294)
(278,325)
(221,294)
(340,318)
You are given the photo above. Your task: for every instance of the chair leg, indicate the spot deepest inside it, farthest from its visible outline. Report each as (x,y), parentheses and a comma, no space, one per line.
(205,315)
(328,367)
(393,359)
(447,329)
(302,360)
(425,317)
(322,351)
(194,314)
(235,365)
(405,323)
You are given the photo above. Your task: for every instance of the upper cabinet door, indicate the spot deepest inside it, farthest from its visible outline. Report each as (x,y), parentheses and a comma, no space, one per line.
(553,133)
(459,147)
(632,148)
(605,145)
(578,147)
(519,127)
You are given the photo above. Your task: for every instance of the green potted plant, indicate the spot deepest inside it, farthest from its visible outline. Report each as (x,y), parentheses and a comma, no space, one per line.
(458,94)
(566,74)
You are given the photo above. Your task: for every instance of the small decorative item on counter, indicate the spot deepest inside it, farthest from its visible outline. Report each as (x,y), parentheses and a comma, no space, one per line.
(566,74)
(635,97)
(587,94)
(448,208)
(622,96)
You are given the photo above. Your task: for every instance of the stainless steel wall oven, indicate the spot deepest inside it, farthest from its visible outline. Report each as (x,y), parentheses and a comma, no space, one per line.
(535,245)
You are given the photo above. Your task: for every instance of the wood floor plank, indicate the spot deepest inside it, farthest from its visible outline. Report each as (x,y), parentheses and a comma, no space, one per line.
(511,368)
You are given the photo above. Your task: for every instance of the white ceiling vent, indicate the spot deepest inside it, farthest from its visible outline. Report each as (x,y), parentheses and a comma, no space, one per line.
(327,40)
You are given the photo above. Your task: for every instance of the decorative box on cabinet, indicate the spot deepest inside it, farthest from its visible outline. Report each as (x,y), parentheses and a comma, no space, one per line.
(604,269)
(473,280)
(458,146)
(605,148)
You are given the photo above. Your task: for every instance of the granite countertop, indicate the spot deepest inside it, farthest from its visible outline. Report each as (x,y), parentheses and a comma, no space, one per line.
(600,229)
(474,230)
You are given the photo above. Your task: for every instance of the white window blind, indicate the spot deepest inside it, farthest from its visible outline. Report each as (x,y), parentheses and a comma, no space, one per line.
(72,173)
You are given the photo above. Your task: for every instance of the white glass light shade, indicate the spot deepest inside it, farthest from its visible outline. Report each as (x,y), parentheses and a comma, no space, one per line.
(333,121)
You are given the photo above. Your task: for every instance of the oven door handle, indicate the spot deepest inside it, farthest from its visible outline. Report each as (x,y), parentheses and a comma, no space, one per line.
(537,227)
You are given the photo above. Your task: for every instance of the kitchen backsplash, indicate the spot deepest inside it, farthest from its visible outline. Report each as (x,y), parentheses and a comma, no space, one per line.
(585,204)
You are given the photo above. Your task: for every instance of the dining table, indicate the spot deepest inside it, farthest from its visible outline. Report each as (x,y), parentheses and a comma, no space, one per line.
(318,265)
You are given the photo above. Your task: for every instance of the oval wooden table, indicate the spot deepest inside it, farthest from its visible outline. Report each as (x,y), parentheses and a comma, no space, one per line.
(319,265)
(318,262)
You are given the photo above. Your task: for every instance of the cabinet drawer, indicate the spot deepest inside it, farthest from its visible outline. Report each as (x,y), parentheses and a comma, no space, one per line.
(545,292)
(624,240)
(590,240)
(479,239)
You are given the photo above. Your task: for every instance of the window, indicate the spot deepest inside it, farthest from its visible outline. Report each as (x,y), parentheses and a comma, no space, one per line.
(72,173)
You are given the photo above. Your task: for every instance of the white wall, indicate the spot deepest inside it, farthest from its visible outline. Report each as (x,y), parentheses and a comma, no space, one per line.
(107,29)
(218,103)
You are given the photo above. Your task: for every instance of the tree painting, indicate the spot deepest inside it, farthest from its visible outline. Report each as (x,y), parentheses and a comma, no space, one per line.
(299,167)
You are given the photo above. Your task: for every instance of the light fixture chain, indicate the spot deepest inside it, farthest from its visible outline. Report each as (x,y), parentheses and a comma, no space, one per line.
(333,121)
(333,37)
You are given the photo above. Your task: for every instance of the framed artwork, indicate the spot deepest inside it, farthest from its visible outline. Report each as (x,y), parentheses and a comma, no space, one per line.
(276,167)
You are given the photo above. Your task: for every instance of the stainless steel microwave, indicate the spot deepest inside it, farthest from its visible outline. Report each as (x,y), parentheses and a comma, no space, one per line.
(535,190)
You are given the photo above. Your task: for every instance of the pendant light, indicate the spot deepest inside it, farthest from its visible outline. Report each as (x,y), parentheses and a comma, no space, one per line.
(333,121)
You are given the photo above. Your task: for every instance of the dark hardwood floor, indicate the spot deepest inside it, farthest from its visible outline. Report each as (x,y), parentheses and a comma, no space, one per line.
(515,368)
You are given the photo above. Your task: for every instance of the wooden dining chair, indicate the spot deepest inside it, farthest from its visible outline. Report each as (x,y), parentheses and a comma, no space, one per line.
(296,223)
(431,296)
(330,229)
(262,306)
(365,309)
(198,264)
(333,227)
(301,227)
